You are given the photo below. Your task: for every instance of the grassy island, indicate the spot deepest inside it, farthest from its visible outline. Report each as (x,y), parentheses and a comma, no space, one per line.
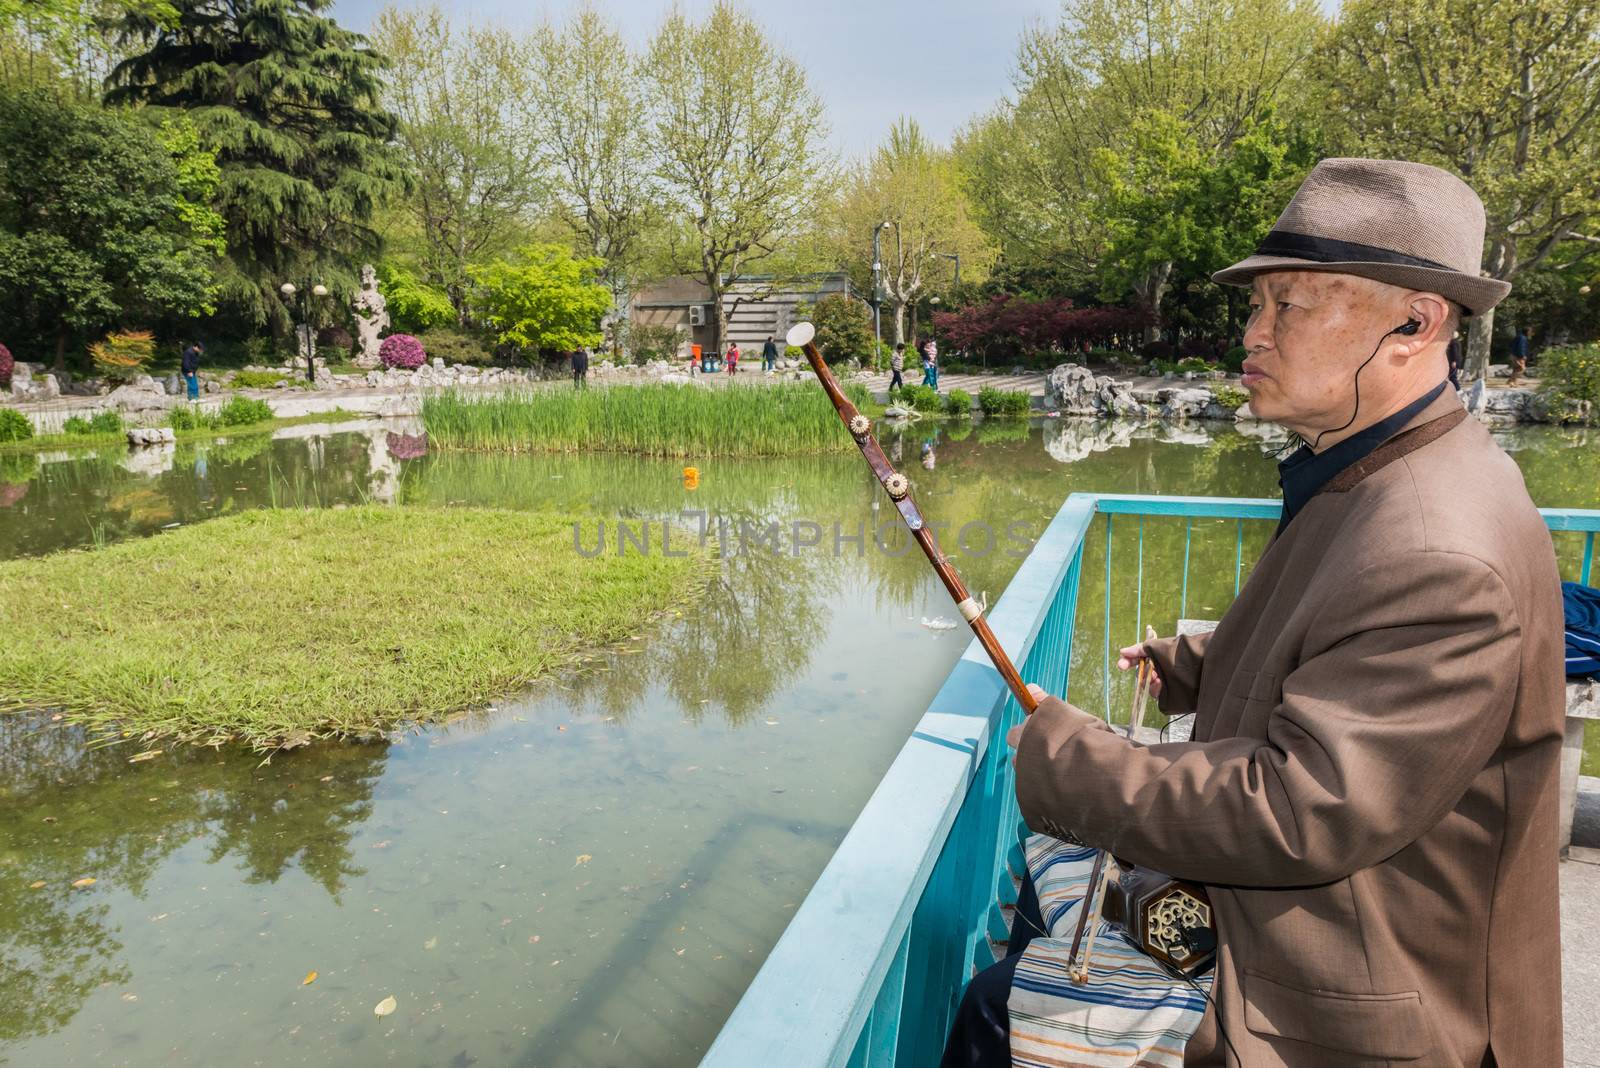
(659,420)
(282,626)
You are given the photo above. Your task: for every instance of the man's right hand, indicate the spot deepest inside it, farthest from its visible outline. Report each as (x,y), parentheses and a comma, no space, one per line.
(1130,656)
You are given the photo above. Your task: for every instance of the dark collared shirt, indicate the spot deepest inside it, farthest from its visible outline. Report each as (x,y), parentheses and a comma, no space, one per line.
(1306,472)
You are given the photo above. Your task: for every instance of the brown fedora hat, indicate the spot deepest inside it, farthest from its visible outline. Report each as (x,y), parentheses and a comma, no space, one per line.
(1407,224)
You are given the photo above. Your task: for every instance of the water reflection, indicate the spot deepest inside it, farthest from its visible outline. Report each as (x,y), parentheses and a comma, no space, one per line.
(74,812)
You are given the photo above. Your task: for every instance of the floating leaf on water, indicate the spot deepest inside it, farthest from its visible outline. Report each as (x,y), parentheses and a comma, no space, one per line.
(561,728)
(430,943)
(148,754)
(81,883)
(386,1006)
(310,978)
(583,858)
(35,886)
(533,939)
(772,723)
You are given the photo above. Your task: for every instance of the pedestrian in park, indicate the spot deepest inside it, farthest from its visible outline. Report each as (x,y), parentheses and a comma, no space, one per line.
(1370,795)
(1452,355)
(897,363)
(191,368)
(694,360)
(733,357)
(769,354)
(1521,342)
(930,364)
(580,369)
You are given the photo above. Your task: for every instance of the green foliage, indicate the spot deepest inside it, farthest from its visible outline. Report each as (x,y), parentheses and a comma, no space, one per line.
(1003,402)
(242,411)
(1187,364)
(1230,397)
(757,420)
(121,355)
(548,299)
(289,102)
(1571,374)
(413,306)
(457,346)
(258,379)
(647,343)
(192,417)
(1233,359)
(93,229)
(198,179)
(101,423)
(14,426)
(1178,210)
(844,326)
(463,97)
(919,397)
(958,402)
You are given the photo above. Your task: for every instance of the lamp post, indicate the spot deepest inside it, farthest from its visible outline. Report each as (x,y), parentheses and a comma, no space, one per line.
(957,257)
(877,290)
(304,335)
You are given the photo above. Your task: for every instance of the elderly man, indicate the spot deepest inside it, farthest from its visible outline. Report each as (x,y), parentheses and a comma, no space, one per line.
(1369,795)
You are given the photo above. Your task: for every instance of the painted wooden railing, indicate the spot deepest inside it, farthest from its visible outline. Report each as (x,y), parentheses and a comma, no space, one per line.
(873,965)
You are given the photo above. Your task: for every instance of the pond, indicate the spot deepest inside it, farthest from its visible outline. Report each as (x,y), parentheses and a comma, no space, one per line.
(590,873)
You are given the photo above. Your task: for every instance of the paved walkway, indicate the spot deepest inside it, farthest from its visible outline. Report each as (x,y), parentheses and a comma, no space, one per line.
(1580,929)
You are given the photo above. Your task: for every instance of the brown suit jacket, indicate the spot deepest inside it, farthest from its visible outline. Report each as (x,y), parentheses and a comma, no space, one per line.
(1371,791)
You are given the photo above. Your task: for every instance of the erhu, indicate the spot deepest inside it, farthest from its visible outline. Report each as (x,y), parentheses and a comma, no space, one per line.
(1169,919)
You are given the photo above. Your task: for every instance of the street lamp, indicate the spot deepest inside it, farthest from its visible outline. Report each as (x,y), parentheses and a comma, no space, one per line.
(304,335)
(957,257)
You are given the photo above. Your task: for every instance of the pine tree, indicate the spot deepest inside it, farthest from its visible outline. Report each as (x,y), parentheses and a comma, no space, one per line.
(290,102)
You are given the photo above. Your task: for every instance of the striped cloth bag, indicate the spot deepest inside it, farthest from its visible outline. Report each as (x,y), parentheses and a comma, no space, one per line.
(1129,1013)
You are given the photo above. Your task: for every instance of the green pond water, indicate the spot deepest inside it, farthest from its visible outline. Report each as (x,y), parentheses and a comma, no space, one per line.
(591,873)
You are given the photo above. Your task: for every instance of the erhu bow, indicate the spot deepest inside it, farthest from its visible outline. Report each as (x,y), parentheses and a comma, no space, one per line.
(1168,918)
(899,490)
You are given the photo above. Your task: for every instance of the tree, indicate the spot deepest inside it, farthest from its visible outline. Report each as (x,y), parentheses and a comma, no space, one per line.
(736,133)
(1083,87)
(290,102)
(1174,213)
(1504,93)
(592,120)
(914,186)
(548,299)
(66,40)
(844,326)
(414,306)
(464,103)
(95,226)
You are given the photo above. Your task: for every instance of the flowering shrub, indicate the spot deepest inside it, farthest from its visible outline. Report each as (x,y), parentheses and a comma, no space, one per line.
(6,364)
(1008,326)
(122,355)
(402,351)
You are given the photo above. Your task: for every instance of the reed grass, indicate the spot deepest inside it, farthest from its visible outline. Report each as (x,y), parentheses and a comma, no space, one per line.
(281,626)
(657,420)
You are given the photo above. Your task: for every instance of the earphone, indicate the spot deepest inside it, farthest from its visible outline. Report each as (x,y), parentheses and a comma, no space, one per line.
(1410,326)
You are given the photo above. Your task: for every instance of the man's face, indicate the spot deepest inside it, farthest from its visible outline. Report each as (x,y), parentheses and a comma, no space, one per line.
(1308,332)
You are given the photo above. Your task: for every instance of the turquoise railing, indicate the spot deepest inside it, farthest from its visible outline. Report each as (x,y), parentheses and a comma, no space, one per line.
(873,965)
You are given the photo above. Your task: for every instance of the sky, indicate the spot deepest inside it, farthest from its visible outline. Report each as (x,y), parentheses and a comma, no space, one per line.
(956,61)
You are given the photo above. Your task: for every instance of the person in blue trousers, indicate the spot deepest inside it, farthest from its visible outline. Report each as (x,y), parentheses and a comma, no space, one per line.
(191,368)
